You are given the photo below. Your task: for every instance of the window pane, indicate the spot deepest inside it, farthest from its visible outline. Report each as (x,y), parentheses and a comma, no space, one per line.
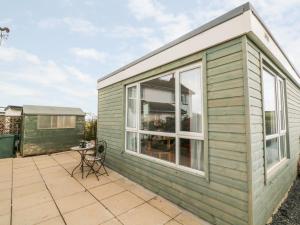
(54,122)
(131,107)
(44,121)
(281,105)
(272,152)
(69,121)
(190,101)
(283,146)
(131,141)
(269,103)
(60,121)
(158,104)
(191,154)
(158,146)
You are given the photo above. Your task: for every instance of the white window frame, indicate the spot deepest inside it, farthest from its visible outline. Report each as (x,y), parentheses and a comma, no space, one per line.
(177,134)
(279,132)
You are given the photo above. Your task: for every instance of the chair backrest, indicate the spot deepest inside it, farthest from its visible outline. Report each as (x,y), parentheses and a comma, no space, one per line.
(101,149)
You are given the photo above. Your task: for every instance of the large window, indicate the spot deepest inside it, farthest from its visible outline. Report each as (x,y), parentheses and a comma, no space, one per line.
(54,122)
(275,121)
(164,118)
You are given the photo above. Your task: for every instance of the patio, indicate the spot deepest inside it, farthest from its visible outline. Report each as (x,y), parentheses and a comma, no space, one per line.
(40,190)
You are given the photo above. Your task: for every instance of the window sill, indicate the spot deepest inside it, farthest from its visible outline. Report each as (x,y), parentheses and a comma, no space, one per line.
(167,164)
(273,172)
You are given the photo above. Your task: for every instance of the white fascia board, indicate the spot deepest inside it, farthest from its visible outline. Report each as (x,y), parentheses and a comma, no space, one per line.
(262,34)
(228,30)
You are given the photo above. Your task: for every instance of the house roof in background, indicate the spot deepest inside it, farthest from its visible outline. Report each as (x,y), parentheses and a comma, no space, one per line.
(15,107)
(51,110)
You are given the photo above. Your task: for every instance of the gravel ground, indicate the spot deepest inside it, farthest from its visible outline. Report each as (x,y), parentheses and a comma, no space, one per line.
(289,212)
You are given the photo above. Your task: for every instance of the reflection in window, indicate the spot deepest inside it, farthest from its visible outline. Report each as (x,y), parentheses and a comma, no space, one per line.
(131,141)
(160,147)
(44,122)
(190,104)
(191,154)
(269,103)
(131,107)
(272,152)
(158,104)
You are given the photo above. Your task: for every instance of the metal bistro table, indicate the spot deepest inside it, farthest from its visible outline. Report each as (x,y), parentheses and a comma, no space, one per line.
(82,152)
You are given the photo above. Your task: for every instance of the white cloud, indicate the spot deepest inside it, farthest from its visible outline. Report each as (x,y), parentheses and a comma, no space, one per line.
(39,75)
(78,74)
(77,25)
(16,90)
(171,25)
(89,54)
(13,54)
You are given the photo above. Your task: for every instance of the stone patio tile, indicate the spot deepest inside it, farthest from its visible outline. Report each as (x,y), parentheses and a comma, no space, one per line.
(23,164)
(65,188)
(54,221)
(62,159)
(165,206)
(53,169)
(5,207)
(145,215)
(5,194)
(106,190)
(90,215)
(27,180)
(5,185)
(114,221)
(5,219)
(26,169)
(173,222)
(187,218)
(28,189)
(142,192)
(46,163)
(114,175)
(5,177)
(31,200)
(125,183)
(26,174)
(75,201)
(122,202)
(35,214)
(91,181)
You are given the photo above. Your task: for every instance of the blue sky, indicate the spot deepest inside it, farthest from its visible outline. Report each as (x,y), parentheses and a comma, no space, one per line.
(58,49)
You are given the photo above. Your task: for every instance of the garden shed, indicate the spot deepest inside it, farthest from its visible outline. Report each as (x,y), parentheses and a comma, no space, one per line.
(210,121)
(48,129)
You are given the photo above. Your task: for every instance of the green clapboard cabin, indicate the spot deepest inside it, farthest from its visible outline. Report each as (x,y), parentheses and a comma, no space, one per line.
(210,121)
(48,129)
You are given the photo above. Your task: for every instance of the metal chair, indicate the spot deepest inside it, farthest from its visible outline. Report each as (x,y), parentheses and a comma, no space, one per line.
(97,158)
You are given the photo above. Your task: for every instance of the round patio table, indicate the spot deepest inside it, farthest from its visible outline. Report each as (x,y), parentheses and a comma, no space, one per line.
(82,152)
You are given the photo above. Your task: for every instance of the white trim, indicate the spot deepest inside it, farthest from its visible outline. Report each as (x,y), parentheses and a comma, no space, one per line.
(177,134)
(226,31)
(166,163)
(279,133)
(246,23)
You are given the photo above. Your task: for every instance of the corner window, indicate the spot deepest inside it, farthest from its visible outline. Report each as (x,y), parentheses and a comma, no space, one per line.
(164,118)
(55,122)
(275,121)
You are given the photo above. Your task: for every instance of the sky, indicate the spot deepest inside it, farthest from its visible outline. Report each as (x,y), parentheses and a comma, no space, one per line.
(57,49)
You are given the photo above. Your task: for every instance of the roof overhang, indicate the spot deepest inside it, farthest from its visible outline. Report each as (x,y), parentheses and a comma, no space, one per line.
(239,21)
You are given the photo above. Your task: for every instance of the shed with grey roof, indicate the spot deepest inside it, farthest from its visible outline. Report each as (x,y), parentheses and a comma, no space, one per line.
(48,129)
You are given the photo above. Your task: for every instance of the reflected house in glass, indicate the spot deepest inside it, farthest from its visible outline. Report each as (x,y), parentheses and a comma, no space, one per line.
(210,121)
(48,129)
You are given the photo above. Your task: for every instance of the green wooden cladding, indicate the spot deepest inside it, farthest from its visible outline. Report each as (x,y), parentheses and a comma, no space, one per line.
(45,141)
(226,196)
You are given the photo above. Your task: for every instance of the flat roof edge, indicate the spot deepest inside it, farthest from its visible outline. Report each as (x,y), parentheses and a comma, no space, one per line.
(219,20)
